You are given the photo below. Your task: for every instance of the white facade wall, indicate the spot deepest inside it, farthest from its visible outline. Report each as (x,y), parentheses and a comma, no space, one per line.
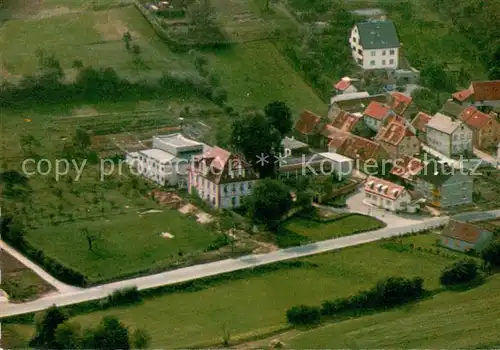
(450,144)
(461,140)
(398,204)
(373,59)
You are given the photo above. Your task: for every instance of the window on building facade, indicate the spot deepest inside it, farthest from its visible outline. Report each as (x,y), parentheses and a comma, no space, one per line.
(391,61)
(249,186)
(242,187)
(354,39)
(373,53)
(360,51)
(383,62)
(233,201)
(384,53)
(372,63)
(233,187)
(392,52)
(225,188)
(213,187)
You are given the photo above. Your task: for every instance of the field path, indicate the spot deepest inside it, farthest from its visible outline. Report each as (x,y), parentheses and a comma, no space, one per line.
(60,286)
(245,262)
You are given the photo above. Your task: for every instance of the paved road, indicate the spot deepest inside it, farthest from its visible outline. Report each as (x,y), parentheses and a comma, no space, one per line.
(486,157)
(60,286)
(215,268)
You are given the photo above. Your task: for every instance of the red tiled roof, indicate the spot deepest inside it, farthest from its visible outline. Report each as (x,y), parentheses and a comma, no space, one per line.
(331,132)
(383,188)
(343,84)
(345,122)
(376,110)
(400,102)
(307,121)
(407,167)
(337,142)
(420,121)
(356,147)
(394,133)
(486,90)
(463,95)
(220,157)
(462,231)
(474,118)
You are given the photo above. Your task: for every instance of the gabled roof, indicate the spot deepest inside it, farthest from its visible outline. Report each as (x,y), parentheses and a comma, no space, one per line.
(293,144)
(307,122)
(378,35)
(360,103)
(462,231)
(343,84)
(356,147)
(400,102)
(345,121)
(420,121)
(407,168)
(436,173)
(383,188)
(486,90)
(475,119)
(463,95)
(331,132)
(444,123)
(452,109)
(377,110)
(393,133)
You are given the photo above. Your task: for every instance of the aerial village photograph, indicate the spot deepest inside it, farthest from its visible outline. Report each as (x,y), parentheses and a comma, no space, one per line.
(249,174)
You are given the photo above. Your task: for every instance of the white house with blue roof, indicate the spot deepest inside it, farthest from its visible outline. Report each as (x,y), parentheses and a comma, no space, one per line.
(375,45)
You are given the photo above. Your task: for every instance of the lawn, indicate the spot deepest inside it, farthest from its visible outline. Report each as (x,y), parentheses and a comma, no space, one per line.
(20,283)
(257,302)
(345,226)
(128,243)
(452,320)
(256,73)
(94,37)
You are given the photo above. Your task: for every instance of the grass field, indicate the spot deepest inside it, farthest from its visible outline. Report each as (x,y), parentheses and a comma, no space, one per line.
(318,231)
(452,320)
(128,243)
(258,302)
(20,283)
(256,73)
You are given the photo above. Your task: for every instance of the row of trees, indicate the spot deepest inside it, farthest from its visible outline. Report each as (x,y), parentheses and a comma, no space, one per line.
(55,331)
(48,85)
(387,293)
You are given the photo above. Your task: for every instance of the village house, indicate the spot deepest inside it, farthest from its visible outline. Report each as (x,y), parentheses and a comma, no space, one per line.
(294,147)
(451,137)
(221,178)
(385,194)
(480,93)
(401,104)
(407,168)
(375,45)
(444,187)
(463,237)
(452,109)
(346,121)
(485,128)
(398,140)
(375,115)
(167,162)
(420,123)
(353,103)
(308,128)
(359,149)
(345,86)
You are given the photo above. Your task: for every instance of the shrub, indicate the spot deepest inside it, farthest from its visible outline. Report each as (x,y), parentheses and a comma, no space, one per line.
(303,315)
(491,254)
(123,296)
(461,272)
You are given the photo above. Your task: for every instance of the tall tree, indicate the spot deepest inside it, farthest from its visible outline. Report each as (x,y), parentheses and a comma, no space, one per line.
(269,202)
(255,137)
(111,334)
(46,326)
(279,116)
(67,336)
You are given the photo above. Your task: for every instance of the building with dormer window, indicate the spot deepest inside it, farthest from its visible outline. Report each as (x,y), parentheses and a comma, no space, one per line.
(221,178)
(387,195)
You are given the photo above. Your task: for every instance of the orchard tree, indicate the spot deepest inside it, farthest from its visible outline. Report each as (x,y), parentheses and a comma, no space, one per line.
(111,334)
(491,254)
(140,339)
(46,326)
(269,202)
(280,116)
(68,336)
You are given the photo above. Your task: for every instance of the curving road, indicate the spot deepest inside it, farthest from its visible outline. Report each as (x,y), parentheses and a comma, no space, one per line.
(249,261)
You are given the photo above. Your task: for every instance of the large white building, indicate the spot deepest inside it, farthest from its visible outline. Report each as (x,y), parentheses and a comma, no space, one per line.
(375,45)
(388,195)
(168,161)
(449,136)
(221,178)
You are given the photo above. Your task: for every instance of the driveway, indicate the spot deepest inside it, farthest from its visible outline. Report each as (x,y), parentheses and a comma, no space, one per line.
(356,205)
